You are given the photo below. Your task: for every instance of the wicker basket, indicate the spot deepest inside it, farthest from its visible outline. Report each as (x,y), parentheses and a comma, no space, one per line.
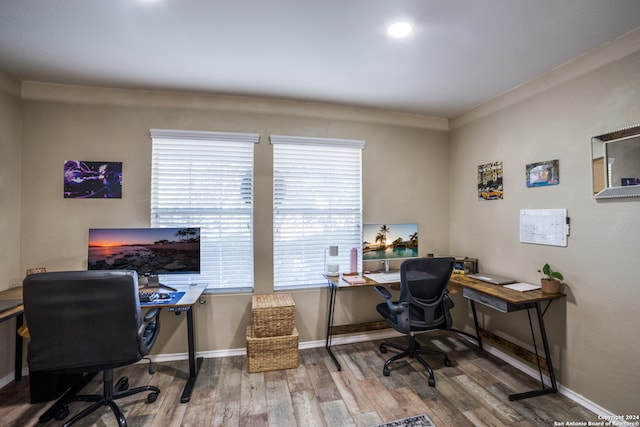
(273,315)
(271,353)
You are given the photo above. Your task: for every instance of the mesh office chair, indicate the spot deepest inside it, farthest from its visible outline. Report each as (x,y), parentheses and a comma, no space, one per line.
(423,305)
(87,322)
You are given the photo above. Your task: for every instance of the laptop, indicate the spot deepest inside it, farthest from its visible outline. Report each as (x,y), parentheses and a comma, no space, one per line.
(492,278)
(8,304)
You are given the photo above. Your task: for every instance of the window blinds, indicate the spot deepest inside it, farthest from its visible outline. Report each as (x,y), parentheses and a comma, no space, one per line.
(205,179)
(317,202)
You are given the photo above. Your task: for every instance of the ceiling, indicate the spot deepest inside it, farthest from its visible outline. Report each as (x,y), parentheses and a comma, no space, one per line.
(461,53)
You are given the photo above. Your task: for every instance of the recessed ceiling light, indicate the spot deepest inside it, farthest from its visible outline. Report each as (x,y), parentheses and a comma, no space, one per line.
(399,29)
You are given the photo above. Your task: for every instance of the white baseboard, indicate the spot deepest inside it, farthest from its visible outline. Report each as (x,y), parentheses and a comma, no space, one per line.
(576,397)
(370,336)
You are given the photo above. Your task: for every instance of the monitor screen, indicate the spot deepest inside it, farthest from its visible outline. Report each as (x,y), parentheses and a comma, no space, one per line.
(145,250)
(389,241)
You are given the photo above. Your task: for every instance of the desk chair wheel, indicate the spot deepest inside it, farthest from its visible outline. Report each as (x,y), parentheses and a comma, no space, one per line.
(152,397)
(61,413)
(447,362)
(383,349)
(122,384)
(385,371)
(432,382)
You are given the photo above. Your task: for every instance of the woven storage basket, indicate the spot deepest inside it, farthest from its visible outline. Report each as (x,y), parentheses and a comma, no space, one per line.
(271,353)
(273,315)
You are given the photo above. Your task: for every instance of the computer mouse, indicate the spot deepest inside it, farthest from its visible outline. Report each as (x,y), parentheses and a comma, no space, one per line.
(164,296)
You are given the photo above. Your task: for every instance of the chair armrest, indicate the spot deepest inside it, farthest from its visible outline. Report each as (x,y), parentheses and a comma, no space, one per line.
(448,302)
(148,331)
(396,308)
(149,315)
(383,291)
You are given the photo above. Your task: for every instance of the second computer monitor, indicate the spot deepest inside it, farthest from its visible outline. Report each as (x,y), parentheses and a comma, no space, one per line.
(389,241)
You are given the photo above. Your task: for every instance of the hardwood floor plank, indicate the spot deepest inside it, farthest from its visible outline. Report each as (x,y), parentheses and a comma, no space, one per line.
(490,403)
(279,405)
(230,379)
(298,379)
(337,414)
(366,420)
(322,382)
(351,392)
(169,411)
(258,420)
(308,410)
(200,410)
(382,398)
(462,399)
(253,394)
(482,417)
(225,414)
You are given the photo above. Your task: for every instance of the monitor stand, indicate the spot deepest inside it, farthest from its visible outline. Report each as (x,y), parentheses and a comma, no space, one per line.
(153,282)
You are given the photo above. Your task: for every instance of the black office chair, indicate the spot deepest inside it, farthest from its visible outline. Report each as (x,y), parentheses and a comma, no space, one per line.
(423,305)
(87,322)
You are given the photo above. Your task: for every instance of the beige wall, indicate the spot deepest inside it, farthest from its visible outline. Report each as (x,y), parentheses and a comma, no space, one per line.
(595,335)
(10,142)
(95,124)
(10,138)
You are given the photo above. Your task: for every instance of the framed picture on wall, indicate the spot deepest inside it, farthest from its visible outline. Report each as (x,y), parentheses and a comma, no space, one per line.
(490,181)
(543,173)
(92,180)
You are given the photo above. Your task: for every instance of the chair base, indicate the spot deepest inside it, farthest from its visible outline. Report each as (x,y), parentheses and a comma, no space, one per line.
(413,350)
(108,398)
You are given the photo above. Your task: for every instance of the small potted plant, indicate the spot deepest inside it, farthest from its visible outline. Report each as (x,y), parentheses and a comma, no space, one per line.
(551,281)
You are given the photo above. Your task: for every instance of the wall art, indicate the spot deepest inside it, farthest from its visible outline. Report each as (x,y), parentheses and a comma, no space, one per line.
(92,180)
(490,181)
(543,173)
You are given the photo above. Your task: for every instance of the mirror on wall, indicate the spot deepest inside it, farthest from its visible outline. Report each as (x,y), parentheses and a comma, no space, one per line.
(615,159)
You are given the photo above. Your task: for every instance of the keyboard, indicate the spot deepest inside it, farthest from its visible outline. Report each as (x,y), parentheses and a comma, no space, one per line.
(146,296)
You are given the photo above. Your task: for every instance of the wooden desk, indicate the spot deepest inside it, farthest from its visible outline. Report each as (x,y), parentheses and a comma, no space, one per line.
(508,300)
(497,297)
(18,313)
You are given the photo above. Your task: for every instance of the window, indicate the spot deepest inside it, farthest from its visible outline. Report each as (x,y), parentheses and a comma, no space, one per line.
(317,202)
(205,179)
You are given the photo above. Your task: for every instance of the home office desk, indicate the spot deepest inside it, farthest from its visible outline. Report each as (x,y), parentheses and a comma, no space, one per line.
(508,300)
(192,294)
(494,296)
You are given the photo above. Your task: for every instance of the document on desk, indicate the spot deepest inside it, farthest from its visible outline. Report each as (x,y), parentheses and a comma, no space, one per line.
(354,280)
(522,287)
(384,277)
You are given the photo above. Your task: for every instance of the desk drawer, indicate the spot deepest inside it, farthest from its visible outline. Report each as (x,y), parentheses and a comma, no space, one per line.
(489,301)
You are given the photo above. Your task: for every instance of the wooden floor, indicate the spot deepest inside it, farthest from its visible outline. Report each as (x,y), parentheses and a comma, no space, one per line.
(472,392)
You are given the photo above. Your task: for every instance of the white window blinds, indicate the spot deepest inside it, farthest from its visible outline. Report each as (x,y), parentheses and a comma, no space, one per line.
(205,180)
(317,202)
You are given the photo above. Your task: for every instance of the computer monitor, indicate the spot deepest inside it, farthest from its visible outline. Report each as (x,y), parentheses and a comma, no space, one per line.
(149,251)
(389,241)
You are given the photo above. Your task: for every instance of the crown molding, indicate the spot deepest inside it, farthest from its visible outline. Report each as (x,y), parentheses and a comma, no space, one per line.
(39,91)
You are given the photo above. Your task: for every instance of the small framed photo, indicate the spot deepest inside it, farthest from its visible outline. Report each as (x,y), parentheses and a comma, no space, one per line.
(543,173)
(92,180)
(490,181)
